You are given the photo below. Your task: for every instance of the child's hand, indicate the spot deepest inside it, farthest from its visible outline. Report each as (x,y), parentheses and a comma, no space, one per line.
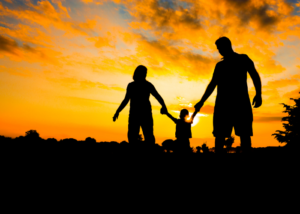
(163,110)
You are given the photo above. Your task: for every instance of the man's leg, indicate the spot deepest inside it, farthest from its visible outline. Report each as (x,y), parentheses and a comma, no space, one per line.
(219,144)
(246,144)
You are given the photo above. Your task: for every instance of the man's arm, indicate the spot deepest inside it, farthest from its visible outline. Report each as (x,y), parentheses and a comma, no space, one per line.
(209,90)
(158,97)
(171,117)
(165,111)
(257,101)
(123,104)
(193,116)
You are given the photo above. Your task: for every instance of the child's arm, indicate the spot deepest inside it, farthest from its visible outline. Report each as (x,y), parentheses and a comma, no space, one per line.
(193,116)
(163,111)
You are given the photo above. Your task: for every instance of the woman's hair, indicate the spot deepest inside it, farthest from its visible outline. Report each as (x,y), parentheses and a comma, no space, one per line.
(183,113)
(140,73)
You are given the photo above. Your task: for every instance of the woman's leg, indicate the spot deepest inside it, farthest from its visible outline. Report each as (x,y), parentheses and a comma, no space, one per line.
(147,127)
(133,129)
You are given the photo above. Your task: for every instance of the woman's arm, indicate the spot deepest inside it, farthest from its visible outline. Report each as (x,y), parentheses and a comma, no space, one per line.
(158,97)
(123,104)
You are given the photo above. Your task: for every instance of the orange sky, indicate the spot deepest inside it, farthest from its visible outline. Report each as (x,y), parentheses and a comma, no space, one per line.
(65,64)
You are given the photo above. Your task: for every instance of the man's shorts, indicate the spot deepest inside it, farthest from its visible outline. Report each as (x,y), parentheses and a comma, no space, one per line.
(241,128)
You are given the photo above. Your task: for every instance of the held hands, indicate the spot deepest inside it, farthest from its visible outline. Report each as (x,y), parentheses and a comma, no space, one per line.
(163,110)
(257,101)
(198,106)
(115,116)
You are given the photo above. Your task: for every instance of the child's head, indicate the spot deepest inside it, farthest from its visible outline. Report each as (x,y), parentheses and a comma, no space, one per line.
(183,114)
(140,73)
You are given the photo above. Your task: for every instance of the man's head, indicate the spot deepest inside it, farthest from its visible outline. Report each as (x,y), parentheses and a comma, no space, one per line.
(183,114)
(140,73)
(224,46)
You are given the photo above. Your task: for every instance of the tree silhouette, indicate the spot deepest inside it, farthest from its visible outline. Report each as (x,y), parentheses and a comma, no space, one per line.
(90,140)
(205,148)
(168,145)
(291,135)
(32,135)
(198,149)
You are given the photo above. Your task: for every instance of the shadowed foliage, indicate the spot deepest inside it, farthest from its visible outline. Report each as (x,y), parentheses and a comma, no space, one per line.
(291,135)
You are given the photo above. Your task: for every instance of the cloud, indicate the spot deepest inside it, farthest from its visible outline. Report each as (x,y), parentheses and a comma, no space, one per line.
(76,84)
(16,52)
(101,42)
(8,45)
(267,119)
(282,83)
(259,12)
(98,2)
(17,71)
(27,34)
(292,94)
(45,14)
(164,58)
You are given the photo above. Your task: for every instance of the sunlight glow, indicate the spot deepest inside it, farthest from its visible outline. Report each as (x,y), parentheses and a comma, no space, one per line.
(196,119)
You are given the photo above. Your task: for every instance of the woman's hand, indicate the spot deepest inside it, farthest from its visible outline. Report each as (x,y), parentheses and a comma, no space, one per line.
(115,116)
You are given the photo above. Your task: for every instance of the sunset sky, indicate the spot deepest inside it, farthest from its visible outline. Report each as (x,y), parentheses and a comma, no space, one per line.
(65,64)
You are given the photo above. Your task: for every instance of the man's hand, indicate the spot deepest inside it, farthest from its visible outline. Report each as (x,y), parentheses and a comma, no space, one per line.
(116,116)
(257,101)
(198,106)
(163,110)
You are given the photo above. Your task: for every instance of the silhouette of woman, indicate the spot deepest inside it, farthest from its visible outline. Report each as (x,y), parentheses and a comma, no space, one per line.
(140,113)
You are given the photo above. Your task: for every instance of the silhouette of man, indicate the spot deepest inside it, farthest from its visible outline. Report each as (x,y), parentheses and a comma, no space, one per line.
(232,107)
(140,113)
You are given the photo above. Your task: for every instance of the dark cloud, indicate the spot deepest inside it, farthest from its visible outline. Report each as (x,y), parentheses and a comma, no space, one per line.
(247,11)
(11,46)
(267,119)
(28,48)
(166,14)
(192,65)
(8,45)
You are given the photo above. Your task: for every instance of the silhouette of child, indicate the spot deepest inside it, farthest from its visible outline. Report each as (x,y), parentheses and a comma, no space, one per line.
(183,129)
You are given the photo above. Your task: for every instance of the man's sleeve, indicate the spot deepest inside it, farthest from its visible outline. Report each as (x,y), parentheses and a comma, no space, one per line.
(249,63)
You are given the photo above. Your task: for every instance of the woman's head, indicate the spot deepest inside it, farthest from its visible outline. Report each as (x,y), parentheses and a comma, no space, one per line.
(140,73)
(183,114)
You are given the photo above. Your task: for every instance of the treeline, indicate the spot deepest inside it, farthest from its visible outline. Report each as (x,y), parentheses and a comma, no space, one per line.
(32,140)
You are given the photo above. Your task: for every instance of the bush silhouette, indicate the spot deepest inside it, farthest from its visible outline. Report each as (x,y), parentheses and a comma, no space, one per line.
(205,148)
(291,135)
(32,134)
(90,140)
(168,145)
